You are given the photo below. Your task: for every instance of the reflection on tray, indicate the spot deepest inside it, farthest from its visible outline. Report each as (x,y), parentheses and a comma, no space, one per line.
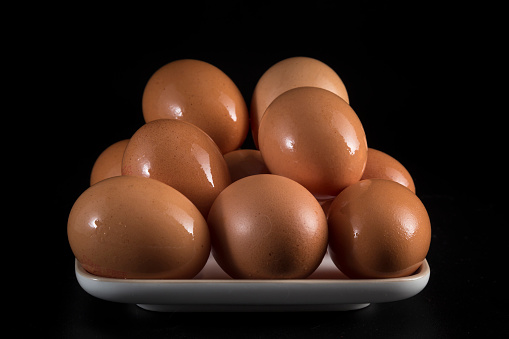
(326,270)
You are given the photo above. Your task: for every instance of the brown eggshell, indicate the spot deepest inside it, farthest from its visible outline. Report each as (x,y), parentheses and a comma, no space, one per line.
(180,155)
(267,227)
(132,227)
(200,93)
(314,137)
(326,205)
(287,74)
(109,162)
(245,162)
(380,165)
(378,229)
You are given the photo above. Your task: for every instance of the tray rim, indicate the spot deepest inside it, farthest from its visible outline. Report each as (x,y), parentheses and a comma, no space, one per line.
(422,272)
(243,295)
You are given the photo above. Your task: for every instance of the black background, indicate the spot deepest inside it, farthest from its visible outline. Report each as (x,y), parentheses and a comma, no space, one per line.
(423,82)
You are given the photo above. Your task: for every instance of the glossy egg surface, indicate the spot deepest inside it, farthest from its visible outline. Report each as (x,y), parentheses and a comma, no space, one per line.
(287,74)
(182,156)
(132,227)
(267,227)
(381,165)
(109,162)
(314,137)
(199,93)
(378,229)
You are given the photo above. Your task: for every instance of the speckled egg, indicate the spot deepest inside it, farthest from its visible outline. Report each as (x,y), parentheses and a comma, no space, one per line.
(267,226)
(378,229)
(180,155)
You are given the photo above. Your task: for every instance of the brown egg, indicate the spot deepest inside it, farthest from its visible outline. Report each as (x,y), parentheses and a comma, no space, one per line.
(132,227)
(287,74)
(109,162)
(180,155)
(267,227)
(200,93)
(326,205)
(378,229)
(380,165)
(245,162)
(314,137)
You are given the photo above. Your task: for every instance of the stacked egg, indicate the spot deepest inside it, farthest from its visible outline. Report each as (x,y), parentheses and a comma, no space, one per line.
(180,188)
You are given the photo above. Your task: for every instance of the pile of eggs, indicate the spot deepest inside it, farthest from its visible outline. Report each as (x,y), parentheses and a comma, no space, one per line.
(180,188)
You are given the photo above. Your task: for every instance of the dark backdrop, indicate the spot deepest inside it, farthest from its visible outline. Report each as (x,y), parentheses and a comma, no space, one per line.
(421,81)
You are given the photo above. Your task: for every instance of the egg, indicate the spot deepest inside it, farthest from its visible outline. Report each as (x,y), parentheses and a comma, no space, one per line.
(199,93)
(326,205)
(314,137)
(378,229)
(182,156)
(245,162)
(287,74)
(109,162)
(380,165)
(132,227)
(267,226)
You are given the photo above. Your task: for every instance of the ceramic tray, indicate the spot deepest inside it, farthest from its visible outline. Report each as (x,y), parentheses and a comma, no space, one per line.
(327,289)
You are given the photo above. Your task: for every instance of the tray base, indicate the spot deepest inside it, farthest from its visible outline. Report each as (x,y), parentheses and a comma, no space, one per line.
(324,290)
(251,308)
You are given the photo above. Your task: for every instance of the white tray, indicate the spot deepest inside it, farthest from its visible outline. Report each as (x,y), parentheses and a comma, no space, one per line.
(327,289)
